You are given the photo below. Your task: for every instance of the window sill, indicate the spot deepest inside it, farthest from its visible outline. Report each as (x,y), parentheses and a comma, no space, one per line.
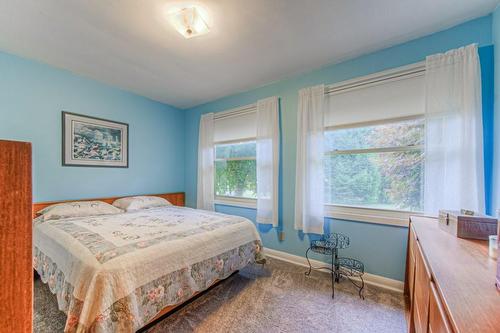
(377,216)
(236,202)
(356,214)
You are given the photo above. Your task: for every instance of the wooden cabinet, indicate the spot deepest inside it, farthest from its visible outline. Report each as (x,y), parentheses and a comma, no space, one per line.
(449,282)
(16,272)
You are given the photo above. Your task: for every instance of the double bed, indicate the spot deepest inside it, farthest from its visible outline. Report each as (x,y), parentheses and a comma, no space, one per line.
(120,272)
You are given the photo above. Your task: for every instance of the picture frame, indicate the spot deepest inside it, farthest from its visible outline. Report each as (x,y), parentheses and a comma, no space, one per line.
(93,142)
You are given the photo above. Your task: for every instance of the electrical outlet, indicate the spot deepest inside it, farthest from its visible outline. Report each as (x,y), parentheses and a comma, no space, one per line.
(281,235)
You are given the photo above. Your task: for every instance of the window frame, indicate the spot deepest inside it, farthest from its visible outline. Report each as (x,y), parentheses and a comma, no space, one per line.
(366,214)
(227,200)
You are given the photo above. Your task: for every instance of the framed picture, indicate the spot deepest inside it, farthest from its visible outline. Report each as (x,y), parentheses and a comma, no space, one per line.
(93,142)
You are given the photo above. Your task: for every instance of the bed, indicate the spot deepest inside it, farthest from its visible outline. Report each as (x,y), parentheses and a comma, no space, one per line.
(120,272)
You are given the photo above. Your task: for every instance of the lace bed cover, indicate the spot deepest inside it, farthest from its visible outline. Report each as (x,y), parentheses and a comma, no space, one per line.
(114,273)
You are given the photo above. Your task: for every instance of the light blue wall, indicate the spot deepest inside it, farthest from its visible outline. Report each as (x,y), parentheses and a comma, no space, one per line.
(486,55)
(32,96)
(496,164)
(382,248)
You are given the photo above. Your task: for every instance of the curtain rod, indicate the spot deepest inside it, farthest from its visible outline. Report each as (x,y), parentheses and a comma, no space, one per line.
(400,73)
(236,111)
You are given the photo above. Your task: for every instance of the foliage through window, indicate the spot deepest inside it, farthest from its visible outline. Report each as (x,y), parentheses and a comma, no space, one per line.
(235,170)
(378,166)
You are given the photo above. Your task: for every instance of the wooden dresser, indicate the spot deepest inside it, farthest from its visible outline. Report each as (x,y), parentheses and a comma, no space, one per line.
(16,270)
(450,282)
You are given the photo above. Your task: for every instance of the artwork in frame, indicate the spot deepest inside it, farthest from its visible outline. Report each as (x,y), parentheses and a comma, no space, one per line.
(93,142)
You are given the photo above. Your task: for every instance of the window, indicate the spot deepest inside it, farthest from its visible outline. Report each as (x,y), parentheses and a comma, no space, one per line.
(374,136)
(377,165)
(235,170)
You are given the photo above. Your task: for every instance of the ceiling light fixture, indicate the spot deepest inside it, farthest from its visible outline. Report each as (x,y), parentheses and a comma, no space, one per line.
(188,22)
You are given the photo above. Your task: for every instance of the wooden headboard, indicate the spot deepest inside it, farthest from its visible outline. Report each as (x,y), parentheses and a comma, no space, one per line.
(174,198)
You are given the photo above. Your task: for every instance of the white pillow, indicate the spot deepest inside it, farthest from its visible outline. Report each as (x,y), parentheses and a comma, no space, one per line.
(140,202)
(77,209)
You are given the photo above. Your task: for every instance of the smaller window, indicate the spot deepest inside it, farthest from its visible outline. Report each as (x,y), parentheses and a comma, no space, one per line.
(235,170)
(376,166)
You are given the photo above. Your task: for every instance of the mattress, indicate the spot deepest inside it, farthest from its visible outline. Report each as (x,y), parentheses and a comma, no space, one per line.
(114,273)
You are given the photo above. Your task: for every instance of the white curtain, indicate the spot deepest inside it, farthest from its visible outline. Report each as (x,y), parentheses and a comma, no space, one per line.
(309,180)
(205,193)
(267,160)
(454,168)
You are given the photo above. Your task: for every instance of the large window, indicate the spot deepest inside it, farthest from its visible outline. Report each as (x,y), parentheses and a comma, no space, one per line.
(376,165)
(235,170)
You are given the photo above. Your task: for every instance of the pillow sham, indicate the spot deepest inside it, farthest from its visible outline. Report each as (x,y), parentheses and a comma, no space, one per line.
(140,202)
(77,209)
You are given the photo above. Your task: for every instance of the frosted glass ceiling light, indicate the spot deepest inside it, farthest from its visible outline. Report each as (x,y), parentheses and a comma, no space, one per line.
(188,22)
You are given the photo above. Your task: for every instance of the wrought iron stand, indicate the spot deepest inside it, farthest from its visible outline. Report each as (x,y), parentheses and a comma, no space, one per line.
(350,268)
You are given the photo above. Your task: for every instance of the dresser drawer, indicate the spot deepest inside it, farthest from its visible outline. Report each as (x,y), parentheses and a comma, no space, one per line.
(438,319)
(411,276)
(411,262)
(412,242)
(421,292)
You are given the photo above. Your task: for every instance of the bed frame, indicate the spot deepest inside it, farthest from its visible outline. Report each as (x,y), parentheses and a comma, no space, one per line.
(177,199)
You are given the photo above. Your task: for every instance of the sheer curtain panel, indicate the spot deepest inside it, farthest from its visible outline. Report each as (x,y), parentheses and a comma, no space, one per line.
(267,160)
(205,192)
(309,179)
(454,167)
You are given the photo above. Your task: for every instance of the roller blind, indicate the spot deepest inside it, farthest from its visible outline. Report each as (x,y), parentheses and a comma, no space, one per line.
(385,99)
(233,127)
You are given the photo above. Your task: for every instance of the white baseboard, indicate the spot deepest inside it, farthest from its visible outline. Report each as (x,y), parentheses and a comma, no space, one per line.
(375,280)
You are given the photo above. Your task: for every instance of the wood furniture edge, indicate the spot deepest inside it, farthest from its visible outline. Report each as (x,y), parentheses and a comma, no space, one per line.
(409,299)
(16,294)
(406,289)
(176,198)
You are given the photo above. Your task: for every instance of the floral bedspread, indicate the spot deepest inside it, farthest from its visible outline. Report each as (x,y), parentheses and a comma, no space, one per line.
(114,273)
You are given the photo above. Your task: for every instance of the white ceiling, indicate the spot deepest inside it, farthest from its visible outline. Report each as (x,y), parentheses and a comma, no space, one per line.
(130,43)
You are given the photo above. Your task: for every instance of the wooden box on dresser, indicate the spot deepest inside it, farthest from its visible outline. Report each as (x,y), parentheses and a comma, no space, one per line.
(450,282)
(16,270)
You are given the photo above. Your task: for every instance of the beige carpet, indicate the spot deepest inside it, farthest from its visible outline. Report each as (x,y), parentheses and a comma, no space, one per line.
(276,298)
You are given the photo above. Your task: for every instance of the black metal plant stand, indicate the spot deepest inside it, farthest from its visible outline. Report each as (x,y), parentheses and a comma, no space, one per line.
(350,268)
